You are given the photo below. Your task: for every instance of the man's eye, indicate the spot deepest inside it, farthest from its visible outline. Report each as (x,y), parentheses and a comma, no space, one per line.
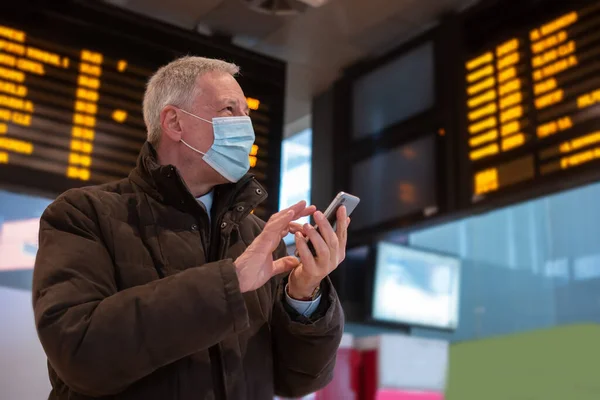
(230,109)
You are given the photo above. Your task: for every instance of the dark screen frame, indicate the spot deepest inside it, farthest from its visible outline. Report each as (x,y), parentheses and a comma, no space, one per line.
(439,121)
(483,26)
(108,26)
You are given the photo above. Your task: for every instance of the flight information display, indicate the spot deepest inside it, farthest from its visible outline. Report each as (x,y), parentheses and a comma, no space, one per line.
(72,114)
(533,103)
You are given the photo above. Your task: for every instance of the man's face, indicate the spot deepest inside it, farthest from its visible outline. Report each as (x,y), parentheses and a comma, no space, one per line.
(218,94)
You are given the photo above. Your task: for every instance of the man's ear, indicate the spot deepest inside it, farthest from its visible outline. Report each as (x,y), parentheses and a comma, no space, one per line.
(170,123)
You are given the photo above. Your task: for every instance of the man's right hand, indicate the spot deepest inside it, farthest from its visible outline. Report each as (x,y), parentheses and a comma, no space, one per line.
(256,265)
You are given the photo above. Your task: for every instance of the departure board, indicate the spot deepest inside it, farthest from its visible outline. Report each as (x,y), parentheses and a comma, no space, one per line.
(71,113)
(533,103)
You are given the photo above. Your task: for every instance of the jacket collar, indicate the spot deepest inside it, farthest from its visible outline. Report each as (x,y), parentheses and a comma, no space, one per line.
(164,183)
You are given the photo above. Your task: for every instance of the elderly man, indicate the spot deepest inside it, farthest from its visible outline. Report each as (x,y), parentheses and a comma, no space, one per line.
(164,285)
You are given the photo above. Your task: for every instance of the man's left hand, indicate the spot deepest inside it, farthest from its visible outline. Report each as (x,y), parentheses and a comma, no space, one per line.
(330,247)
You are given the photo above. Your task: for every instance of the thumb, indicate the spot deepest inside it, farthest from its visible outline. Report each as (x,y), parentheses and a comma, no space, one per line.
(285,264)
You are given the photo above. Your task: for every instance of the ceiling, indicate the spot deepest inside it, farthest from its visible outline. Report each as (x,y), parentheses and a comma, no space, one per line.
(316,43)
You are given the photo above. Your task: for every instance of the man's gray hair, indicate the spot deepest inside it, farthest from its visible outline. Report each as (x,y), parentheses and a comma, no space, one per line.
(175,84)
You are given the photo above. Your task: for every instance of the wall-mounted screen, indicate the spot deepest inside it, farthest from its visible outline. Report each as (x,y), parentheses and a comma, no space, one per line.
(394,92)
(71,90)
(395,183)
(415,287)
(532,109)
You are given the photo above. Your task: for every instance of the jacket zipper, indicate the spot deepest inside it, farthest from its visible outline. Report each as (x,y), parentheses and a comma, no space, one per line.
(214,352)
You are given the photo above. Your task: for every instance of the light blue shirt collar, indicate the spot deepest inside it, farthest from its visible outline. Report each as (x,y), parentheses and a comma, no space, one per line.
(207,201)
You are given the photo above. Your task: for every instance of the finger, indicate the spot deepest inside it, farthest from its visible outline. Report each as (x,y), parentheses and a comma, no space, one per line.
(327,232)
(284,264)
(295,227)
(342,213)
(280,221)
(306,257)
(273,231)
(321,248)
(297,208)
(300,210)
(310,210)
(342,225)
(342,232)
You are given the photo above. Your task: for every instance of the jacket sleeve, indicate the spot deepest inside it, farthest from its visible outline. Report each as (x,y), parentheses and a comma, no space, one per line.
(100,340)
(304,349)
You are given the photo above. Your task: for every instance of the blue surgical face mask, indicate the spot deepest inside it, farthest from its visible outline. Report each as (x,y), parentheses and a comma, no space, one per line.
(229,153)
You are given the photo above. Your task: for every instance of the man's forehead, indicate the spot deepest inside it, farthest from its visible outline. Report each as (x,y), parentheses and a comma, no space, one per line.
(216,81)
(219,88)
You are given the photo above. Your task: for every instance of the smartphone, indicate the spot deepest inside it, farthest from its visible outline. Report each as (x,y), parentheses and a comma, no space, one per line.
(342,199)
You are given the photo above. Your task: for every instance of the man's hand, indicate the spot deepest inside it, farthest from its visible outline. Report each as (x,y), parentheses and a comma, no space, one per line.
(256,266)
(330,247)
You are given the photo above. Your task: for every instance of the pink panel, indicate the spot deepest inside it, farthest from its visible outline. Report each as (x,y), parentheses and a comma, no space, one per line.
(343,385)
(394,394)
(370,375)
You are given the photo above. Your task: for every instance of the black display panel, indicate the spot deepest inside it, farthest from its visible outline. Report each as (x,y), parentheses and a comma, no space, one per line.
(394,125)
(395,183)
(532,113)
(72,79)
(394,92)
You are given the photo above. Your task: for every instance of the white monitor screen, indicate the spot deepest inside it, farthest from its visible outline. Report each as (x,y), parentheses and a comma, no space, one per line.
(415,287)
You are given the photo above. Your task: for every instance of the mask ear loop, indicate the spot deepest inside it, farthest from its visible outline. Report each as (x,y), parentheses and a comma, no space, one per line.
(200,118)
(195,116)
(196,150)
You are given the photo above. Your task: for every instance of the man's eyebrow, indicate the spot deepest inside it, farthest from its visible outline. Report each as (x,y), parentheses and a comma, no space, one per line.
(234,102)
(227,102)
